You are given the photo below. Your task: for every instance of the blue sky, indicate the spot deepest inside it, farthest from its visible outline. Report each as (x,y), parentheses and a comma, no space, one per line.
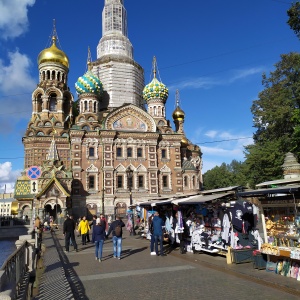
(213,52)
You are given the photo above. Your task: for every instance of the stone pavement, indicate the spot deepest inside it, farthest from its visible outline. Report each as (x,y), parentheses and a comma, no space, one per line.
(76,275)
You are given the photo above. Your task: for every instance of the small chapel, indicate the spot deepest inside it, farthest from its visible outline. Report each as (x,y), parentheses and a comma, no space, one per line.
(112,146)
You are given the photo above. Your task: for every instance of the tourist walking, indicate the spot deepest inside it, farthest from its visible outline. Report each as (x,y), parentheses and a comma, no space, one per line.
(68,231)
(116,230)
(83,229)
(104,222)
(98,237)
(157,225)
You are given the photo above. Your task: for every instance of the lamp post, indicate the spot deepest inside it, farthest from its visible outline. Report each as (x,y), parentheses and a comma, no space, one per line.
(129,173)
(103,212)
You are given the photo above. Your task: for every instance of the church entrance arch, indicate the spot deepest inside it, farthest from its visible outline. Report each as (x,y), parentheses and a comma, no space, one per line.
(121,209)
(54,210)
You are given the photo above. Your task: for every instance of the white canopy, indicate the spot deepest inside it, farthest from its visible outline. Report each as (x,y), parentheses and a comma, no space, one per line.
(199,199)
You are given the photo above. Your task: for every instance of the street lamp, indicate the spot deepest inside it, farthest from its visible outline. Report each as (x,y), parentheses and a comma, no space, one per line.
(129,173)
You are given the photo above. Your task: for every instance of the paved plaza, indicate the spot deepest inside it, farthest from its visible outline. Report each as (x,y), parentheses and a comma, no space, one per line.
(76,275)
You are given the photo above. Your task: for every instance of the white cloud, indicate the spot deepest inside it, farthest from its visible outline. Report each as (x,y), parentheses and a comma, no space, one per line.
(13,17)
(16,86)
(209,82)
(8,177)
(211,133)
(15,77)
(223,147)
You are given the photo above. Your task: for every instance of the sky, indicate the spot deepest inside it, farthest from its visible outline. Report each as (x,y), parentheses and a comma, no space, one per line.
(213,52)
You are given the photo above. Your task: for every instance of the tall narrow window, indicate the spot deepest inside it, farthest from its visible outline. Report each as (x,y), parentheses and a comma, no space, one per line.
(129,152)
(91,181)
(185,181)
(165,181)
(141,181)
(52,102)
(119,181)
(91,152)
(163,153)
(119,152)
(139,152)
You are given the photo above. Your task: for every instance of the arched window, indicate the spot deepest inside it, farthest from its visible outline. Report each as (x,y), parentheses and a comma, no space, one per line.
(87,128)
(52,102)
(85,106)
(58,76)
(39,103)
(48,74)
(95,107)
(53,75)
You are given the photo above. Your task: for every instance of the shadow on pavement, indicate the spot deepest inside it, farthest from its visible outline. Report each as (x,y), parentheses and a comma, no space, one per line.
(128,252)
(75,284)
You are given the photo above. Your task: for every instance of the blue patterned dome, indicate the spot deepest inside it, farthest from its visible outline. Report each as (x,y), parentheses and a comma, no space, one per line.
(154,90)
(89,83)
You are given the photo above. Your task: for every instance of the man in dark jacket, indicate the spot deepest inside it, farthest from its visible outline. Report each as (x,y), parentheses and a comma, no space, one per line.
(157,224)
(68,231)
(117,232)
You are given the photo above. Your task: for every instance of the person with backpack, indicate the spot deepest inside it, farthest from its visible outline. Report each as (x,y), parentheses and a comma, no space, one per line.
(116,230)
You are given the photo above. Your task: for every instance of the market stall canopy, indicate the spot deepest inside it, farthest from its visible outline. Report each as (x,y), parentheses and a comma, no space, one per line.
(156,202)
(200,198)
(289,189)
(224,190)
(284,181)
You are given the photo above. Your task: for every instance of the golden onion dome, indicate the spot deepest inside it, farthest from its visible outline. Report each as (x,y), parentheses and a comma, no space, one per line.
(178,114)
(184,142)
(53,54)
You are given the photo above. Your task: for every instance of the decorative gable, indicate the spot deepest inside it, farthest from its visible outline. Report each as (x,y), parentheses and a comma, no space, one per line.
(92,169)
(130,118)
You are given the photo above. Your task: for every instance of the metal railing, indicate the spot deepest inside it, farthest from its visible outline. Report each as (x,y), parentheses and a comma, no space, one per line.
(15,271)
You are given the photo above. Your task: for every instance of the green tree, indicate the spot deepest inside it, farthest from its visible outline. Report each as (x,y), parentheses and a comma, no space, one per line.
(75,110)
(225,175)
(294,18)
(277,121)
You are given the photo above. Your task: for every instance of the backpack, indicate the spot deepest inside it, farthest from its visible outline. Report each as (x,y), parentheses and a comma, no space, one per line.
(118,230)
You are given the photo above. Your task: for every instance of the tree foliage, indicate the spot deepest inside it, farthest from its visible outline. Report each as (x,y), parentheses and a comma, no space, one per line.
(276,118)
(225,175)
(294,18)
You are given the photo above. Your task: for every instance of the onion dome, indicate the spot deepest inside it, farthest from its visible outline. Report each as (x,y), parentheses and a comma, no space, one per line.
(154,90)
(178,114)
(184,142)
(89,83)
(53,54)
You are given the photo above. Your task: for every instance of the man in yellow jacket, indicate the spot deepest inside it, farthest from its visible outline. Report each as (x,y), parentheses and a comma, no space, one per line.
(83,229)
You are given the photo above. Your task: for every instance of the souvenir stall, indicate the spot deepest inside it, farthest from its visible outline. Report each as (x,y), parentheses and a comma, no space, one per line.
(148,209)
(281,223)
(219,223)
